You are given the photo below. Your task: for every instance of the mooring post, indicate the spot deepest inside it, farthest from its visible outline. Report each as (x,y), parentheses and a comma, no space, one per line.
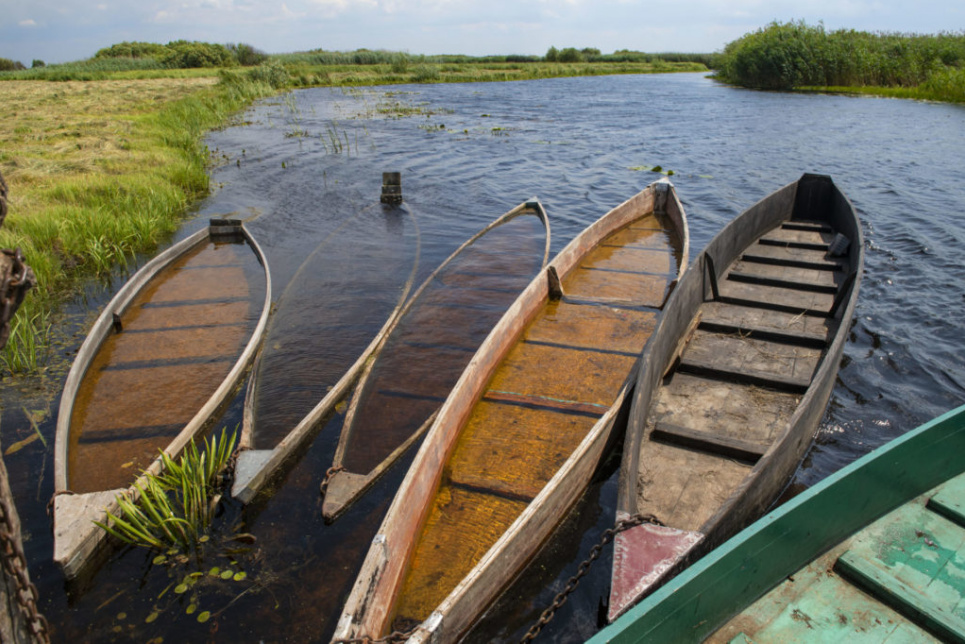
(392,187)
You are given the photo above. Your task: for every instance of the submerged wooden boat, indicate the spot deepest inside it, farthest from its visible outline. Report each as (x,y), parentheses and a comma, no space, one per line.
(861,556)
(735,379)
(331,317)
(517,440)
(161,359)
(429,344)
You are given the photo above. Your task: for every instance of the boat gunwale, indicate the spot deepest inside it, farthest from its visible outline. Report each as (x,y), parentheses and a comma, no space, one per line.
(750,498)
(531,206)
(702,598)
(372,598)
(261,470)
(94,538)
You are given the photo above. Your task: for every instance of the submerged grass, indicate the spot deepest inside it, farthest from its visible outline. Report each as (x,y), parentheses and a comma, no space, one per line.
(99,171)
(174,509)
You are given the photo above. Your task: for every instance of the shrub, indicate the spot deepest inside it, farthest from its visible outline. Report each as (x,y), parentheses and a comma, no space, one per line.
(7,65)
(246,55)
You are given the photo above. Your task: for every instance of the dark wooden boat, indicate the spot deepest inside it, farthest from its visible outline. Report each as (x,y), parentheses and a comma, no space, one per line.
(429,344)
(735,380)
(517,440)
(161,359)
(868,555)
(332,316)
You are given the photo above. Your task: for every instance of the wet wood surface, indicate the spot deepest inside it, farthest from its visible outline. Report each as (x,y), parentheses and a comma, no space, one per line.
(550,390)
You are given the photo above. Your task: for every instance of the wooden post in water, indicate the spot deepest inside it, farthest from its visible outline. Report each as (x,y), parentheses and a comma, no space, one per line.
(392,187)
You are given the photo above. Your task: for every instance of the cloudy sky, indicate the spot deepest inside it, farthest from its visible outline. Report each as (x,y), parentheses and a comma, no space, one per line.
(67,30)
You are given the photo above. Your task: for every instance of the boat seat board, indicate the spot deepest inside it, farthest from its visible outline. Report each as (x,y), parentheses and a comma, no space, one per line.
(775,297)
(817,259)
(751,360)
(949,501)
(785,235)
(725,408)
(593,327)
(708,442)
(799,279)
(753,319)
(682,487)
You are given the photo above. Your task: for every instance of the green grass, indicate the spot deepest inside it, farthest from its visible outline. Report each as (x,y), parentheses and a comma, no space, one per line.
(174,509)
(99,171)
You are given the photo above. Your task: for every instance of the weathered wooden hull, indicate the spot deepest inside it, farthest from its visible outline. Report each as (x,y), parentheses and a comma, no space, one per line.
(735,380)
(427,346)
(799,561)
(159,362)
(493,477)
(319,341)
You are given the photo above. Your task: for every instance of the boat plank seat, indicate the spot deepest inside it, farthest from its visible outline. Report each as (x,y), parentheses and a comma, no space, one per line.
(708,442)
(949,501)
(804,279)
(807,225)
(748,361)
(724,408)
(777,326)
(816,259)
(684,487)
(775,298)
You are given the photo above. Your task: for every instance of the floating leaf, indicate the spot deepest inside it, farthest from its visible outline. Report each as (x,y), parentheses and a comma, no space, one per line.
(204,616)
(240,576)
(150,618)
(19,445)
(214,572)
(196,574)
(181,588)
(204,539)
(121,616)
(190,609)
(160,559)
(227,574)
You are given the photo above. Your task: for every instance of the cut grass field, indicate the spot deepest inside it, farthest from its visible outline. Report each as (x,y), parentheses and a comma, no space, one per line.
(99,171)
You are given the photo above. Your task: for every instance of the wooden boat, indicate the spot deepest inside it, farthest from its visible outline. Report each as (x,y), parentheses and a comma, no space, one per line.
(429,344)
(735,380)
(861,556)
(518,438)
(333,314)
(162,358)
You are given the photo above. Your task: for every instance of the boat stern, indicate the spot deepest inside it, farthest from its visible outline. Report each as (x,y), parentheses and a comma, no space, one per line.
(642,557)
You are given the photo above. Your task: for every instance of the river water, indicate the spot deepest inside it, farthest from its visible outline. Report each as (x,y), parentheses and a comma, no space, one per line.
(301,164)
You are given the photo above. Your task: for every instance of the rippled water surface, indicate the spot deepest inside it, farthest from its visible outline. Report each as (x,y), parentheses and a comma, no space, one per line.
(305,163)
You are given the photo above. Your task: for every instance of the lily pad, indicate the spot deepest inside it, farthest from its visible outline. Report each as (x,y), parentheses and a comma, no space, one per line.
(204,616)
(181,588)
(160,559)
(227,574)
(240,576)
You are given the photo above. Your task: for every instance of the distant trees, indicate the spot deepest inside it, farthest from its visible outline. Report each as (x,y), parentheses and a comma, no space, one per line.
(183,54)
(7,65)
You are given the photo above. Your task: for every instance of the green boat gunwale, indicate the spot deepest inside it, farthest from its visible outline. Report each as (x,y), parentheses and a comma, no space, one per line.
(707,594)
(86,540)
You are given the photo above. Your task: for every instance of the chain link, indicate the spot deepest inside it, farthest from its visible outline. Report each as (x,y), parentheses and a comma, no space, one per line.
(323,487)
(547,615)
(13,287)
(3,199)
(15,565)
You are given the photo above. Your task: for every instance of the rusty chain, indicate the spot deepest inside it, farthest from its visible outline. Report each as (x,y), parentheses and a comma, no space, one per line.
(13,287)
(3,199)
(323,486)
(15,564)
(608,535)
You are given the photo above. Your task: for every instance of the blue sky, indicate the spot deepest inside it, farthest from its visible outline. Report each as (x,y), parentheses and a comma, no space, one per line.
(66,30)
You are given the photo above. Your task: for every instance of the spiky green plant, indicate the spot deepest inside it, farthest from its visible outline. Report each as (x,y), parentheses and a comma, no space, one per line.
(173,509)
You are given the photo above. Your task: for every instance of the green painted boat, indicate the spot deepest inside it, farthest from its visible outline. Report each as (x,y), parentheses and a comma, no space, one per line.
(875,552)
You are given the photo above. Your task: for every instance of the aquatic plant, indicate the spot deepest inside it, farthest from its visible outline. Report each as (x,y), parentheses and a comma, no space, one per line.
(175,508)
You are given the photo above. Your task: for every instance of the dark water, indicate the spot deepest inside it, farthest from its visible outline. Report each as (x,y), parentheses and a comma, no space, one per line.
(306,162)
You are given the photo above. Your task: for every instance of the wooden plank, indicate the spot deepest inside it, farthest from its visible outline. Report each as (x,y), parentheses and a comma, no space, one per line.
(949,501)
(752,258)
(793,244)
(762,280)
(708,442)
(718,371)
(903,598)
(809,340)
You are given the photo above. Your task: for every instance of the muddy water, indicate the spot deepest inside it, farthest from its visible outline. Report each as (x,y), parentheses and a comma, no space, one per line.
(468,153)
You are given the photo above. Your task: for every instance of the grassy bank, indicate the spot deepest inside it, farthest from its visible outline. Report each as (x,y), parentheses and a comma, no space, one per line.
(99,171)
(795,55)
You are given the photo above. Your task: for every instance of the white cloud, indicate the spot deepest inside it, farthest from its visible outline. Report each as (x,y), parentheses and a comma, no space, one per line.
(29,22)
